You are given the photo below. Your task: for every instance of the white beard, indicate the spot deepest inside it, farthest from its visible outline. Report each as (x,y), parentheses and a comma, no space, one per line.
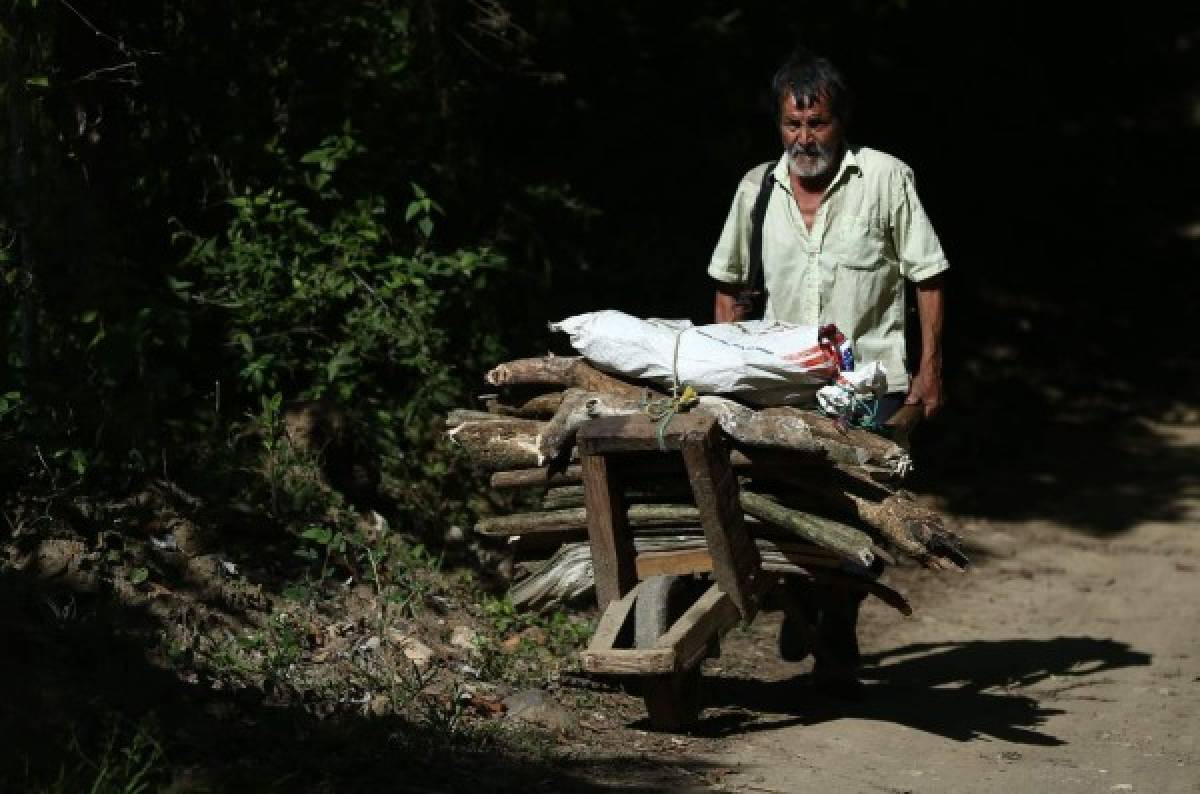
(807,168)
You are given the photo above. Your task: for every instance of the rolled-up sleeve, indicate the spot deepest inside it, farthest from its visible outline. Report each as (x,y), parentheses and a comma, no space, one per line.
(731,257)
(917,245)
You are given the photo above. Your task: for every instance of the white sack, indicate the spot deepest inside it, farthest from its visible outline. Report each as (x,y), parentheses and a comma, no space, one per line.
(762,362)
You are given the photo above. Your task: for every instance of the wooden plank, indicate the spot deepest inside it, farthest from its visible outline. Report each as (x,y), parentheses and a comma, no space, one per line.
(673,563)
(612,621)
(713,614)
(608,531)
(630,661)
(689,561)
(637,433)
(735,556)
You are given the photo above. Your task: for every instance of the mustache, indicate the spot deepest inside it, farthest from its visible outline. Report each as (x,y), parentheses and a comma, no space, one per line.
(811,150)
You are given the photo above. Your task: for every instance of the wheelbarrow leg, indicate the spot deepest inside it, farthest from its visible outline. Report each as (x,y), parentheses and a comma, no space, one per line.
(673,700)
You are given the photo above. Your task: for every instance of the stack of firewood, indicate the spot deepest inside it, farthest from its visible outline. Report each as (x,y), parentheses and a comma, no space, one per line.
(820,498)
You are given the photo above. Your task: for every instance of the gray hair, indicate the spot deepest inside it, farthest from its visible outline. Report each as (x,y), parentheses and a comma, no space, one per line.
(809,77)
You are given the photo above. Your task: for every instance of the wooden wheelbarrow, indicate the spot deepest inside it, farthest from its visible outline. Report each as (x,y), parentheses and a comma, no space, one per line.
(658,627)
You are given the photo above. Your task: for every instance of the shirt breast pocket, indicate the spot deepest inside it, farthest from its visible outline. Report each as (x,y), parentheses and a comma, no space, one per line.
(863,288)
(859,244)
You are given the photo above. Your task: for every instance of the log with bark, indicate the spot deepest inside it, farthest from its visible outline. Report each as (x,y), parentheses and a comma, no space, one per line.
(538,406)
(915,530)
(797,433)
(568,371)
(744,425)
(847,541)
(754,461)
(542,371)
(880,451)
(665,491)
(460,416)
(576,372)
(770,444)
(498,444)
(567,575)
(576,518)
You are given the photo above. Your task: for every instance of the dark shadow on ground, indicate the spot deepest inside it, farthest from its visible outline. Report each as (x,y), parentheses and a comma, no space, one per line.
(78,671)
(957,690)
(1023,440)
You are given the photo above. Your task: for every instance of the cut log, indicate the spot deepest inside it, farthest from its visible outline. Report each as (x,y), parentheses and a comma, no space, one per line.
(880,451)
(460,416)
(499,444)
(575,409)
(567,575)
(916,531)
(540,406)
(743,425)
(544,370)
(782,431)
(541,475)
(576,518)
(670,491)
(585,376)
(571,371)
(550,475)
(851,543)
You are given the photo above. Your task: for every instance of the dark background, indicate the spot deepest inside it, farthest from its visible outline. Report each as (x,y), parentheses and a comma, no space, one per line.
(597,145)
(1054,150)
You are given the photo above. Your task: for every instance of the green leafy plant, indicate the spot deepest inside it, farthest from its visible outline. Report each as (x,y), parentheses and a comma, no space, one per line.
(328,296)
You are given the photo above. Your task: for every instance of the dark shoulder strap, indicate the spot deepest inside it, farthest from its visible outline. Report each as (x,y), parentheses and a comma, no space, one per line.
(756,279)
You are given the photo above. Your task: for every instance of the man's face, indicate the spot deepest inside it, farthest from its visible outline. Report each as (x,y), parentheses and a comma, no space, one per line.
(811,135)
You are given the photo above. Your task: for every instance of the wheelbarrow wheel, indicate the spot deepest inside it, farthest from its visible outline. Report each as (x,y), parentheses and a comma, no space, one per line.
(673,700)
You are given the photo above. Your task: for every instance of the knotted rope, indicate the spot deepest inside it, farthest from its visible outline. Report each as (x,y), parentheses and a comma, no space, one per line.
(661,409)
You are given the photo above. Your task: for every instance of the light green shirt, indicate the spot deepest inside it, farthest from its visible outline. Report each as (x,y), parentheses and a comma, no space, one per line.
(869,234)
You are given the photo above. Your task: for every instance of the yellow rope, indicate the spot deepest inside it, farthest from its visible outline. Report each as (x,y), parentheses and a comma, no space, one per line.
(661,409)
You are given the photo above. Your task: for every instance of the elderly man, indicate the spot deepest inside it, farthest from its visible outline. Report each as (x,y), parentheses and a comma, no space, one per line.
(835,229)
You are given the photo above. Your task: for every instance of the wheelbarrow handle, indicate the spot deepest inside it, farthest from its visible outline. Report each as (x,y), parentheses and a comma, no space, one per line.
(903,422)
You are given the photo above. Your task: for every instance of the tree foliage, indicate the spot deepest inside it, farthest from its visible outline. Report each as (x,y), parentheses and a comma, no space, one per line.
(210,203)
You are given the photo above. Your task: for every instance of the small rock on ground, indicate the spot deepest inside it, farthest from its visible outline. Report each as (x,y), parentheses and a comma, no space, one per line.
(537,708)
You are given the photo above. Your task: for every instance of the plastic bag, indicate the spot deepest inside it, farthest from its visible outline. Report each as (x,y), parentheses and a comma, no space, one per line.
(768,363)
(854,396)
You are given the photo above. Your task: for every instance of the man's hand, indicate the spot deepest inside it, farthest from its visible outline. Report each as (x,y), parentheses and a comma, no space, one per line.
(725,308)
(926,391)
(926,388)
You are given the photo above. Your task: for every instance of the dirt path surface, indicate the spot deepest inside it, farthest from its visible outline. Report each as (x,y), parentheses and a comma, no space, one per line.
(1068,660)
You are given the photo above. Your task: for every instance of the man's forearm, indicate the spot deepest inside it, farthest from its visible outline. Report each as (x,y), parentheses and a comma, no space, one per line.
(931,312)
(926,388)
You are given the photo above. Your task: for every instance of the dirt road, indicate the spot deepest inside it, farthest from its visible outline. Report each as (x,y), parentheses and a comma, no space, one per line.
(1068,660)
